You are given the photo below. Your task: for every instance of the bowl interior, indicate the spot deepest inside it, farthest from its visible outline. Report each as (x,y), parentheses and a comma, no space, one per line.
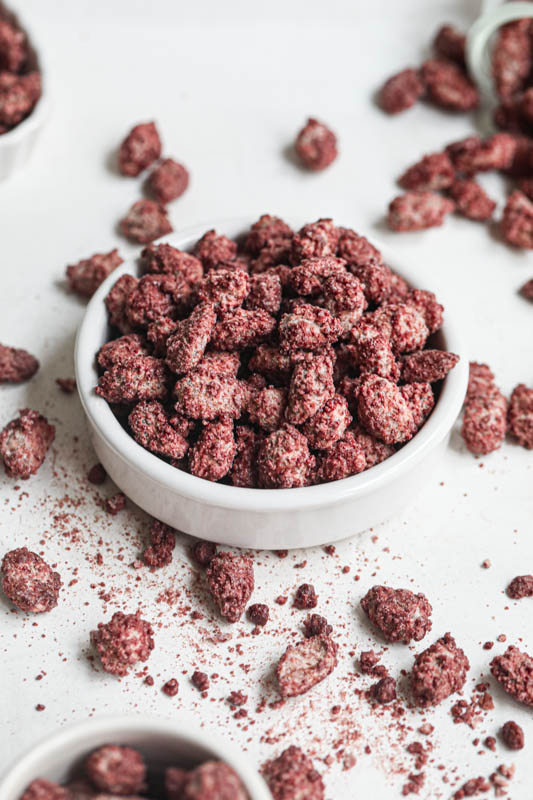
(94,332)
(162,743)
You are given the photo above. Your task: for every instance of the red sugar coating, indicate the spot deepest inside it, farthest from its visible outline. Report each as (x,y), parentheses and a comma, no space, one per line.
(220,363)
(145,221)
(115,504)
(24,443)
(13,47)
(316,145)
(426,303)
(86,276)
(122,642)
(242,328)
(175,780)
(471,200)
(213,248)
(284,460)
(514,671)
(214,780)
(308,327)
(139,378)
(271,362)
(200,680)
(431,173)
(170,688)
(438,672)
(316,625)
(291,776)
(526,187)
(66,385)
(328,425)
(305,664)
(266,407)
(115,302)
(485,422)
(244,468)
(400,615)
(97,475)
(16,365)
(150,426)
(265,293)
(225,288)
(186,345)
(315,239)
(384,691)
(267,230)
(41,789)
(401,91)
(475,154)
(204,394)
(372,351)
(356,250)
(310,275)
(448,86)
(310,386)
(480,380)
(414,211)
(212,455)
(230,579)
(383,412)
(511,57)
(521,415)
(527,289)
(450,43)
(521,586)
(203,552)
(163,258)
(399,290)
(115,769)
(517,221)
(140,148)
(154,296)
(374,451)
(18,96)
(472,787)
(513,735)
(305,597)
(258,613)
(120,350)
(419,397)
(168,181)
(162,543)
(29,582)
(346,457)
(344,297)
(427,365)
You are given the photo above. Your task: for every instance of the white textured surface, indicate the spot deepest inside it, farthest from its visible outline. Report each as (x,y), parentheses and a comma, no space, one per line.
(229,84)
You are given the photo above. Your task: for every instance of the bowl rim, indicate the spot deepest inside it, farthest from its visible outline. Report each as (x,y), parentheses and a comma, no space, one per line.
(99,414)
(109,727)
(39,112)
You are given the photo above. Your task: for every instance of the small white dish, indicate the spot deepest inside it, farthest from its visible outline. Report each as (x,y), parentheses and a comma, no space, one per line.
(479,40)
(261,518)
(163,743)
(17,145)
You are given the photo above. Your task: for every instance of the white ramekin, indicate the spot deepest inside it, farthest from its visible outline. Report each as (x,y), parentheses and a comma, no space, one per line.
(479,40)
(17,144)
(162,742)
(261,518)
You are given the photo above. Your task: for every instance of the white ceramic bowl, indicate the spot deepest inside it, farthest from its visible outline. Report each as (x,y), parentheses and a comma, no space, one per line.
(162,742)
(17,144)
(261,518)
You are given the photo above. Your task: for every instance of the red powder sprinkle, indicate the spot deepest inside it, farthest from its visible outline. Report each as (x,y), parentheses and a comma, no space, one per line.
(113,505)
(40,707)
(67,385)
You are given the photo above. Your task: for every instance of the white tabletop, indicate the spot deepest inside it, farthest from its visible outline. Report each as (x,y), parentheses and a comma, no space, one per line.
(229,85)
